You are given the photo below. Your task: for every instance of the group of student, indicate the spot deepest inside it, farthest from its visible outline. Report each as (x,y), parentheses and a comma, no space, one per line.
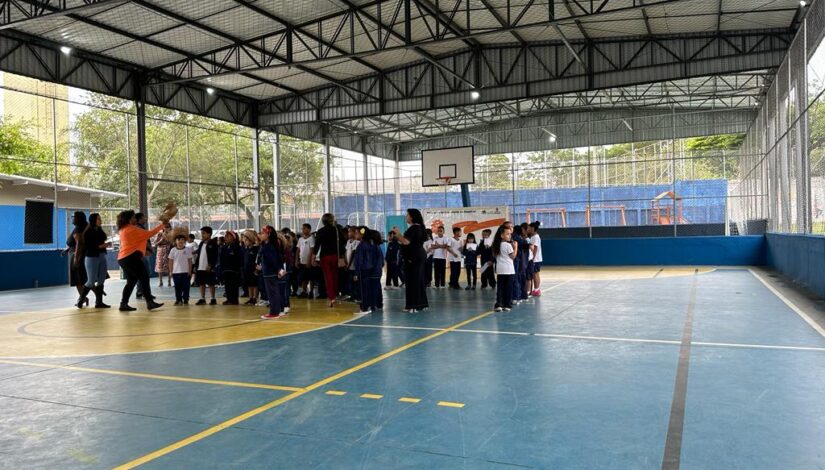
(339,263)
(509,261)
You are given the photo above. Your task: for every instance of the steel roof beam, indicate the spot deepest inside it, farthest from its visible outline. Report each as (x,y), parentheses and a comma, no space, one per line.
(17,13)
(616,63)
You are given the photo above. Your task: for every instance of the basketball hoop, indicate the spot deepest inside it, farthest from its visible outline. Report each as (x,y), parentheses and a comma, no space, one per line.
(445,181)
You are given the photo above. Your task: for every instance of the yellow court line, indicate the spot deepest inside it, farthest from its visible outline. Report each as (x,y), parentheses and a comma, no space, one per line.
(372,396)
(172,378)
(268,406)
(336,393)
(451,404)
(409,400)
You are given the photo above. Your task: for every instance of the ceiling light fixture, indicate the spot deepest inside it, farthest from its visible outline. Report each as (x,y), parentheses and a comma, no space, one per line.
(210,90)
(475,94)
(66,50)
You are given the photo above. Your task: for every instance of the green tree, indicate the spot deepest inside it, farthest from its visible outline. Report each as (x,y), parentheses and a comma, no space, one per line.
(21,154)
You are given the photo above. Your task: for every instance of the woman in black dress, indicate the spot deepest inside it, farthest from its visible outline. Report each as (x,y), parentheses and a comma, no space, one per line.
(412,250)
(77,271)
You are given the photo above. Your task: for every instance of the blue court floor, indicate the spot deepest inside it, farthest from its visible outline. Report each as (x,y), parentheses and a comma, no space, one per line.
(703,370)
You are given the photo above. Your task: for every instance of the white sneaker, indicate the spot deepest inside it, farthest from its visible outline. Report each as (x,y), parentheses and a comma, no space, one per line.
(506,309)
(286,309)
(360,314)
(497,309)
(264,303)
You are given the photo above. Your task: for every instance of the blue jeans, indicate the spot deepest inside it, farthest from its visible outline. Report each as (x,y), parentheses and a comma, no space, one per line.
(95,270)
(181,281)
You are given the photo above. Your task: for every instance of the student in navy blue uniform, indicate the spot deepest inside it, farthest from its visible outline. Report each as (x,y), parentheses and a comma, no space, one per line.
(470,252)
(231,262)
(393,261)
(369,262)
(250,255)
(485,251)
(520,265)
(272,268)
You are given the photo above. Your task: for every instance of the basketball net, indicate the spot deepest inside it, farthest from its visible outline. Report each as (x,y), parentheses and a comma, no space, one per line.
(445,181)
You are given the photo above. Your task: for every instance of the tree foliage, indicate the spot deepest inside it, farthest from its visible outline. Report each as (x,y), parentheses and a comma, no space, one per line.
(21,153)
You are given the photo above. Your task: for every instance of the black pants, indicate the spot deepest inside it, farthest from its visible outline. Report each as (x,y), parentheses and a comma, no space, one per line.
(393,273)
(504,292)
(488,277)
(136,273)
(232,282)
(273,293)
(181,286)
(440,268)
(428,272)
(455,273)
(472,276)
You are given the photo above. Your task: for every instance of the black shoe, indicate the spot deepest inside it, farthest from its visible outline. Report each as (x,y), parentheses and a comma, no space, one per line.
(178,303)
(151,305)
(83,299)
(186,302)
(467,288)
(230,302)
(201,302)
(213,302)
(126,308)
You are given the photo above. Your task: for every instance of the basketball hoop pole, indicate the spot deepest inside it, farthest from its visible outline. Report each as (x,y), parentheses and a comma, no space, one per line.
(446,182)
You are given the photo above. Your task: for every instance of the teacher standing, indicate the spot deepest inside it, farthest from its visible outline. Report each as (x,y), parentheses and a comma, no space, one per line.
(412,249)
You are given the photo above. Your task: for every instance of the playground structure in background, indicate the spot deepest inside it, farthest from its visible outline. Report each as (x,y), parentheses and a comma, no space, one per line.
(662,212)
(562,212)
(588,211)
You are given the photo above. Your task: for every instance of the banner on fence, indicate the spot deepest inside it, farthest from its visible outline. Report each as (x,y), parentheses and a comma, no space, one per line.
(469,219)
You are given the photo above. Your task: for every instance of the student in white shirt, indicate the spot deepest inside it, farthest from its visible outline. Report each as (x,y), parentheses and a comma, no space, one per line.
(454,258)
(504,250)
(440,247)
(428,263)
(306,245)
(535,251)
(352,244)
(180,267)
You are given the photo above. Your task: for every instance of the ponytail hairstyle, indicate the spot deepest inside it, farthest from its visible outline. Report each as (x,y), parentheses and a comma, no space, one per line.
(518,230)
(269,230)
(124,218)
(535,224)
(497,239)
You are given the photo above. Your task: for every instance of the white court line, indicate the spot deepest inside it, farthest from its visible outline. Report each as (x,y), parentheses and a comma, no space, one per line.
(810,321)
(758,346)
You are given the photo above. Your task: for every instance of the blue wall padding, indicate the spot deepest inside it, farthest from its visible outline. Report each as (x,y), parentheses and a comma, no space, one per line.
(673,251)
(799,257)
(25,269)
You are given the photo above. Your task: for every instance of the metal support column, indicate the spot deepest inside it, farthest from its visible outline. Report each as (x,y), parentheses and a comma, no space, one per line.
(276,179)
(256,175)
(396,186)
(366,181)
(143,186)
(327,173)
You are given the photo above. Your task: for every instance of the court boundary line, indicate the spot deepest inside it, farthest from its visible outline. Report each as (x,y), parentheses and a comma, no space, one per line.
(142,375)
(186,348)
(802,314)
(275,403)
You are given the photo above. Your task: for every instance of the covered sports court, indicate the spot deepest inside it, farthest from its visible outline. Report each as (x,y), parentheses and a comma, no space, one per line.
(670,149)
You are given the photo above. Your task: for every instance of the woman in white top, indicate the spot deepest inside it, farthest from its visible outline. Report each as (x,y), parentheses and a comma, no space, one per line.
(504,250)
(535,250)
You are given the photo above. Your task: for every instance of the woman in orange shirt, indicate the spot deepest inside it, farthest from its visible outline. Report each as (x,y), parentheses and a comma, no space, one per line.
(130,258)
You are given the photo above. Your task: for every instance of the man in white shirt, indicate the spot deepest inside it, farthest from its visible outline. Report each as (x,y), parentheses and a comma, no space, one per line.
(454,257)
(306,245)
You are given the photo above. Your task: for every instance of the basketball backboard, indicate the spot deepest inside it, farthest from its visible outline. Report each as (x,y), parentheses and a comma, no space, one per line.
(456,165)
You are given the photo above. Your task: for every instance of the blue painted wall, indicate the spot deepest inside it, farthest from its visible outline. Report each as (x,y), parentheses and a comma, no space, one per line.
(704,202)
(714,251)
(33,268)
(800,257)
(11,230)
